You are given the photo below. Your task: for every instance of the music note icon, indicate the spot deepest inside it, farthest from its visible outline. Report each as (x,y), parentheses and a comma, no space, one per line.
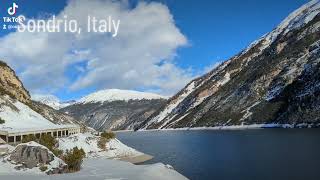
(12,10)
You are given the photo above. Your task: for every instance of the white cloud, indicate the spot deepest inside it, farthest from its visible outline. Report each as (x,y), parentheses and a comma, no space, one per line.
(140,57)
(212,66)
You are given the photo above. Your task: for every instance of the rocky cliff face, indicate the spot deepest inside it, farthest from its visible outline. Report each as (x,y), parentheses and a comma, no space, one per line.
(11,85)
(275,80)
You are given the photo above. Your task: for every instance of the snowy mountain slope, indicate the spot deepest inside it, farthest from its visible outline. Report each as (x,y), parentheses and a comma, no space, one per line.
(19,116)
(274,80)
(115,109)
(18,109)
(110,95)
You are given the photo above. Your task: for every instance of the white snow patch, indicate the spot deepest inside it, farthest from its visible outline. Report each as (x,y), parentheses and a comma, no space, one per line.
(105,169)
(89,143)
(22,117)
(225,79)
(248,113)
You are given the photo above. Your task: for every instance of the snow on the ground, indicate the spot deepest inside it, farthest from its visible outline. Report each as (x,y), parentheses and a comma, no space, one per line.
(89,143)
(110,95)
(95,168)
(106,169)
(7,167)
(20,116)
(225,79)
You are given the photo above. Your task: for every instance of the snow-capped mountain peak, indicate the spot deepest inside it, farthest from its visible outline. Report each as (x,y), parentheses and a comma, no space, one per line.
(109,95)
(50,100)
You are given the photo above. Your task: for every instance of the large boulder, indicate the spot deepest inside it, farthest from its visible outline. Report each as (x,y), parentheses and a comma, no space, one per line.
(31,155)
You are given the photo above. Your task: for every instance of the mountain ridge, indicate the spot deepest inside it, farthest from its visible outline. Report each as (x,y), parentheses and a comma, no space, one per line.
(110,95)
(52,101)
(252,87)
(114,109)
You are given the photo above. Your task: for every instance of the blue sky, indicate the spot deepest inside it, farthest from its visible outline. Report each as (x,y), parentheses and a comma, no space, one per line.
(214,30)
(218,30)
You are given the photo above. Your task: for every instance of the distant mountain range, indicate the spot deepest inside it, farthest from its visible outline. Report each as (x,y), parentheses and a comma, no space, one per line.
(276,80)
(52,101)
(115,109)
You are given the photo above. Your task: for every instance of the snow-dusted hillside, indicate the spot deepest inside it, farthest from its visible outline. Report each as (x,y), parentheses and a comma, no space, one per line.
(20,116)
(274,81)
(115,109)
(89,143)
(19,110)
(110,95)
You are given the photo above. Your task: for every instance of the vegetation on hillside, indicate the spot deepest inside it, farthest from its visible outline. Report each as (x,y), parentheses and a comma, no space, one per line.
(43,168)
(74,159)
(29,138)
(2,121)
(105,137)
(45,140)
(108,135)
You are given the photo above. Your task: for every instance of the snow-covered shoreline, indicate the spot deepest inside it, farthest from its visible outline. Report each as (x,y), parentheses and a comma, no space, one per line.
(116,162)
(115,149)
(103,169)
(235,127)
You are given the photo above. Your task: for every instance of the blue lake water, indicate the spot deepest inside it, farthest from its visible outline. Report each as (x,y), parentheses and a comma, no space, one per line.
(267,154)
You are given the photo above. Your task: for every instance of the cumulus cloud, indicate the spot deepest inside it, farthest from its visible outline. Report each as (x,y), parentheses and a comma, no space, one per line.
(140,57)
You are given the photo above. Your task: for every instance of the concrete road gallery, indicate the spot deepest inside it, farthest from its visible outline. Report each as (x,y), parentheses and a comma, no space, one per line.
(93,24)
